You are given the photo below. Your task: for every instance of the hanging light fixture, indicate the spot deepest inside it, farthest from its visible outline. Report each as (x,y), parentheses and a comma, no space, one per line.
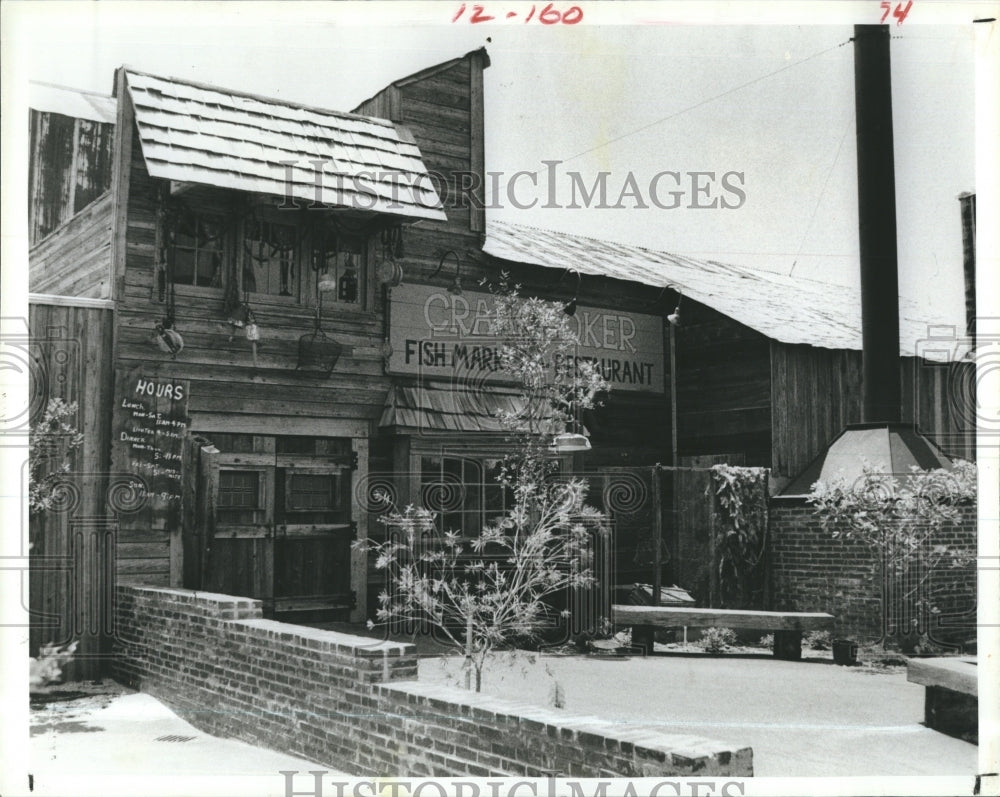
(456,285)
(675,317)
(568,442)
(570,307)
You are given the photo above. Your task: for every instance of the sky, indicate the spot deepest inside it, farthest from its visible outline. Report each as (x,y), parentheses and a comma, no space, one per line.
(769,104)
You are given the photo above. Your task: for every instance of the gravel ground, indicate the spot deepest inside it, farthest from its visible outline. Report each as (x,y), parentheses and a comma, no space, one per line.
(808,718)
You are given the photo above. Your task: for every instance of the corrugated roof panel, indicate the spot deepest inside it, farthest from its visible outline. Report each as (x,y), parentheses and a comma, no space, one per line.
(787,309)
(203,134)
(49,98)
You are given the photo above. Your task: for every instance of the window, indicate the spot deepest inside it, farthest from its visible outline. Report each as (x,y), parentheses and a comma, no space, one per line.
(239,496)
(271,255)
(464,492)
(270,263)
(313,492)
(196,249)
(338,261)
(313,496)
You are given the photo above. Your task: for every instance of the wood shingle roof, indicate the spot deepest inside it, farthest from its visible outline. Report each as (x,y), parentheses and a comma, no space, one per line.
(200,134)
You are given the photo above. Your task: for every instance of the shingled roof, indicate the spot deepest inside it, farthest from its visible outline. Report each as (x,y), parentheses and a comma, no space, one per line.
(201,134)
(786,309)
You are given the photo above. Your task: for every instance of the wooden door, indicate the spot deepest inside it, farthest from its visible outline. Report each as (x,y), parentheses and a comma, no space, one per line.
(313,532)
(281,523)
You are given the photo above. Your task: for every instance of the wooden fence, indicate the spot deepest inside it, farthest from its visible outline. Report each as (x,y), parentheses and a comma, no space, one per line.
(71,577)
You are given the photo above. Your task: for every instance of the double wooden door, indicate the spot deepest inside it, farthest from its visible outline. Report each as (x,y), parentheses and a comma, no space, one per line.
(281,522)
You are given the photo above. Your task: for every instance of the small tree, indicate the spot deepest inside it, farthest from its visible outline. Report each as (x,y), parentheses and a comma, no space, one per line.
(51,442)
(900,518)
(484,592)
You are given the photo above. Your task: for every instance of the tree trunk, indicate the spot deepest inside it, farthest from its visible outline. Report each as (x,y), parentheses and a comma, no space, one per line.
(468,655)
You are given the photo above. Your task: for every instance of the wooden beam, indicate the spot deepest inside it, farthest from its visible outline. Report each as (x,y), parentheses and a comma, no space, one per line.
(959,674)
(670,617)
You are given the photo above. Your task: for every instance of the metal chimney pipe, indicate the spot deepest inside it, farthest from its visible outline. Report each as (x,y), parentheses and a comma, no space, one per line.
(880,389)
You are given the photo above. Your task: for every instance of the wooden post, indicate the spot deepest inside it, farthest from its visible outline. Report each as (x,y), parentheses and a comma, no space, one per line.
(657,534)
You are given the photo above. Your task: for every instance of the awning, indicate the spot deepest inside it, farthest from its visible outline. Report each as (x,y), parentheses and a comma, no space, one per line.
(200,134)
(455,408)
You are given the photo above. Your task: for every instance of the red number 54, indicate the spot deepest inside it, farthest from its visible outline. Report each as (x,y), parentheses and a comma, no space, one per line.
(899,12)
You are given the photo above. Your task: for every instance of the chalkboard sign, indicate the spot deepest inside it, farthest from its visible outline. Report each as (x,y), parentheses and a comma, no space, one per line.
(153,424)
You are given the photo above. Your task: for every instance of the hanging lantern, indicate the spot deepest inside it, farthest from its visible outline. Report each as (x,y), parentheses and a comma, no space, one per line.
(253,334)
(327,282)
(348,287)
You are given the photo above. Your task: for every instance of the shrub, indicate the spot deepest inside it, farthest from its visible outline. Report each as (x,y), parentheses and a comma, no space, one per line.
(47,668)
(766,641)
(818,640)
(716,640)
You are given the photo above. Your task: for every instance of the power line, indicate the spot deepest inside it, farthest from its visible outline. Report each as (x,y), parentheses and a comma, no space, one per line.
(819,199)
(697,105)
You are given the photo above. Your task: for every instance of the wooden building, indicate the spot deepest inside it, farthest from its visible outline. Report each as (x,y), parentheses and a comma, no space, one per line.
(266,455)
(247,328)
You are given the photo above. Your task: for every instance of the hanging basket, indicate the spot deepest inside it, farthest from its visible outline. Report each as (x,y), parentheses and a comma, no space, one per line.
(318,354)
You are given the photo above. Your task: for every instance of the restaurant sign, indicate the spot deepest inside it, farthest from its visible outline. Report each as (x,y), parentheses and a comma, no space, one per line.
(442,335)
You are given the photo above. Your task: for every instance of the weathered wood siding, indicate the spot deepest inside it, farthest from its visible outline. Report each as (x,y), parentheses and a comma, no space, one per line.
(228,393)
(442,108)
(723,387)
(72,542)
(70,168)
(817,392)
(75,259)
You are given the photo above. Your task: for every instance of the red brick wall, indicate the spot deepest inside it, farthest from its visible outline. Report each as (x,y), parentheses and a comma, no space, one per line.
(352,703)
(810,570)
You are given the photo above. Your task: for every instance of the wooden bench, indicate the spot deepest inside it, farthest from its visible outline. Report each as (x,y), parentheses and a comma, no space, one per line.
(786,626)
(951,694)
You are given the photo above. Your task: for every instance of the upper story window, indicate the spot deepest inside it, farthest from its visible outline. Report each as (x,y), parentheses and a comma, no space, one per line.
(198,249)
(338,261)
(271,258)
(269,254)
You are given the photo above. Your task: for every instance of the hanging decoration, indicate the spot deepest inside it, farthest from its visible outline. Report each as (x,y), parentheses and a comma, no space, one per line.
(165,337)
(317,353)
(347,290)
(390,271)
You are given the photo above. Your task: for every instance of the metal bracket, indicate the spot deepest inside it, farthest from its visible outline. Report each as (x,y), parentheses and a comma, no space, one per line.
(354,460)
(354,529)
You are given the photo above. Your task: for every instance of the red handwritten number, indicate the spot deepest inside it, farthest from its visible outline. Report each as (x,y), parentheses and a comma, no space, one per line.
(549,15)
(899,12)
(479,16)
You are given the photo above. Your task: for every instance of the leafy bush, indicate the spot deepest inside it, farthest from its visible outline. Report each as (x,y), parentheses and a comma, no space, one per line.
(47,668)
(818,640)
(716,640)
(766,641)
